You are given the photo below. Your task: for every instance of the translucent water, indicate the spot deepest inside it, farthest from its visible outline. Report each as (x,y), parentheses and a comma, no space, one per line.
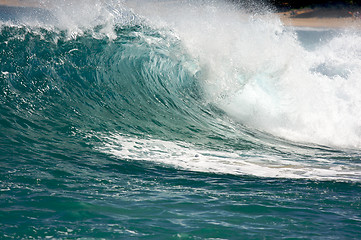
(176,120)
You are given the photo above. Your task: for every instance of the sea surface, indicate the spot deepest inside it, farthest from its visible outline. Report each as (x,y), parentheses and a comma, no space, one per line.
(176,120)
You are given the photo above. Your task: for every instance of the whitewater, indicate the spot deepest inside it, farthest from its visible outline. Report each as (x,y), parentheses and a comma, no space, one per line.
(176,120)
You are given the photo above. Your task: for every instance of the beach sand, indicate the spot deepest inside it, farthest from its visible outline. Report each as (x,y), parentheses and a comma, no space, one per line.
(322,18)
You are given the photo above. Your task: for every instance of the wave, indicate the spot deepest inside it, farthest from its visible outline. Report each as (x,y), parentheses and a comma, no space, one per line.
(204,86)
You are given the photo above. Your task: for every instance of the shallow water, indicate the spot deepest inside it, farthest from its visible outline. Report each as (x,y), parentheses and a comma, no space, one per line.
(168,120)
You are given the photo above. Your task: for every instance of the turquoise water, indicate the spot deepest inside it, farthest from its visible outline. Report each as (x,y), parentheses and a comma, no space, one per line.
(138,120)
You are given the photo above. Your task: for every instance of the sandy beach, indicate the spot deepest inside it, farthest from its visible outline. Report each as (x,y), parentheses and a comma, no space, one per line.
(322,18)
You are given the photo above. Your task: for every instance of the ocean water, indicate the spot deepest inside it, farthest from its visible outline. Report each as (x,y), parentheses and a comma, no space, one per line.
(176,120)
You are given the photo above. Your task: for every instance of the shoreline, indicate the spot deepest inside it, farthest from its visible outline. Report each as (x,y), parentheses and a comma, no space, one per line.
(318,17)
(322,17)
(322,23)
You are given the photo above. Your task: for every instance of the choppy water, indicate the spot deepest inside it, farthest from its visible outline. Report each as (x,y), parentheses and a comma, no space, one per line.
(176,120)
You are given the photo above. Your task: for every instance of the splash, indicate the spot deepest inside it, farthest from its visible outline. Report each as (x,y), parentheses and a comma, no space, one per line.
(258,71)
(168,81)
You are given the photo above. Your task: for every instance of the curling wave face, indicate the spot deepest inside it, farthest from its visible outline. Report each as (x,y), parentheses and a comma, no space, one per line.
(201,86)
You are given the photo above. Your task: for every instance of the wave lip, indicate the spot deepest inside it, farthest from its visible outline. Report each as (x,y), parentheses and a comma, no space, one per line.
(230,105)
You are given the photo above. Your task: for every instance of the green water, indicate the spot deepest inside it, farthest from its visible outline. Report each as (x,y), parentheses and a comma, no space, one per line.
(119,199)
(125,134)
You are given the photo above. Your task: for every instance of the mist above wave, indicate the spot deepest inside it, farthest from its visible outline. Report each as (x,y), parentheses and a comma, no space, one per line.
(258,71)
(250,65)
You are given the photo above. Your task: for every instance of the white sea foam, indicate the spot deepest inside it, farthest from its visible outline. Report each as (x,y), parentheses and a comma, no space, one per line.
(76,17)
(253,68)
(260,74)
(188,157)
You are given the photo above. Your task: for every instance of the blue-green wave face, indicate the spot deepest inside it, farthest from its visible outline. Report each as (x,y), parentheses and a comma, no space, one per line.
(141,83)
(88,83)
(176,120)
(152,86)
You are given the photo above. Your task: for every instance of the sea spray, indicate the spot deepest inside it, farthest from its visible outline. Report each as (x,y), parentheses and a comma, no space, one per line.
(132,120)
(256,70)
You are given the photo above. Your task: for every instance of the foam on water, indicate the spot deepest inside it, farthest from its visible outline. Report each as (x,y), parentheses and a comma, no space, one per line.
(188,157)
(258,72)
(251,67)
(99,111)
(261,75)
